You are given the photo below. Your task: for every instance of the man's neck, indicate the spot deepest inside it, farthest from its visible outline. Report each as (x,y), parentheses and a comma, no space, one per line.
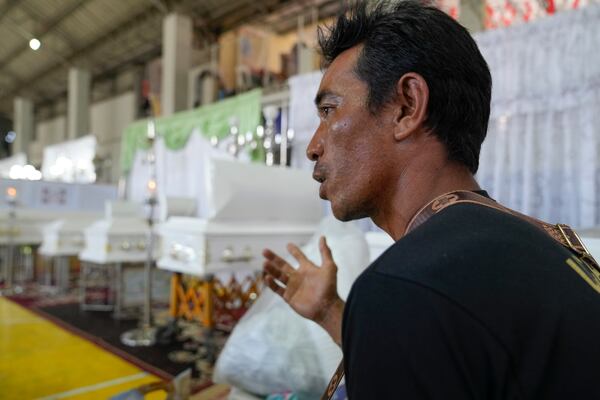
(416,187)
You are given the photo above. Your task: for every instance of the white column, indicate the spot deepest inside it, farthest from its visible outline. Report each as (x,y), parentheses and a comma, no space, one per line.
(23,125)
(176,50)
(305,59)
(209,83)
(78,113)
(471,15)
(304,53)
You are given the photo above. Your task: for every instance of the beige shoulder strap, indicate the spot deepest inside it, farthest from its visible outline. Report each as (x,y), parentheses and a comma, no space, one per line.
(563,234)
(334,382)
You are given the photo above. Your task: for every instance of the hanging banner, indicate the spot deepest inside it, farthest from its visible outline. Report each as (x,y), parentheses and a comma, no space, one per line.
(210,120)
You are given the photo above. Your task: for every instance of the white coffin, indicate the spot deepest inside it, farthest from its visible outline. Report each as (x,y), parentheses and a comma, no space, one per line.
(197,247)
(250,207)
(28,226)
(114,240)
(23,229)
(40,203)
(64,237)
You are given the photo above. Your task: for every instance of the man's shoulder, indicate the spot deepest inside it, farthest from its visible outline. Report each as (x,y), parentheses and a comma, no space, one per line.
(468,252)
(474,268)
(468,236)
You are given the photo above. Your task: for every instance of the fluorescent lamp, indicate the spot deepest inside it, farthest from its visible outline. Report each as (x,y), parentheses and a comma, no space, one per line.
(35,44)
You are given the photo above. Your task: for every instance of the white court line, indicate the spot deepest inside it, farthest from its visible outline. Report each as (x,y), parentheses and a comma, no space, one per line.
(97,386)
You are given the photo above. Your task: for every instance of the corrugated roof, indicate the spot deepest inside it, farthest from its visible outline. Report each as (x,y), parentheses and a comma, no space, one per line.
(105,34)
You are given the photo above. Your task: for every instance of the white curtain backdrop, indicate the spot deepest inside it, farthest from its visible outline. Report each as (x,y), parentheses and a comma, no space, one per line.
(304,119)
(179,173)
(542,152)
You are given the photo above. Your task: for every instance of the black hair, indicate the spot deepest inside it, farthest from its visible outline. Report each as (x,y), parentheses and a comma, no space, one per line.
(407,36)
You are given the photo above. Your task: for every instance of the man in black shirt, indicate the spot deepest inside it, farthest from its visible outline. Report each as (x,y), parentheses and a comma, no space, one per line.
(474,303)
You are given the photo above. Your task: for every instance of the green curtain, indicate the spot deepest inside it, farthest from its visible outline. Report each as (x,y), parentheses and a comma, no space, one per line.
(210,120)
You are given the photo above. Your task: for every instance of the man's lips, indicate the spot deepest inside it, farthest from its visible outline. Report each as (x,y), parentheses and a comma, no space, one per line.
(319,176)
(322,191)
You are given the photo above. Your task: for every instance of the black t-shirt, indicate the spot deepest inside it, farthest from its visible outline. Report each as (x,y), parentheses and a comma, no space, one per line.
(473,304)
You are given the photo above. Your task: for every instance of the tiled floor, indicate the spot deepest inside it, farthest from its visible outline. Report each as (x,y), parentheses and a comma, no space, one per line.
(40,360)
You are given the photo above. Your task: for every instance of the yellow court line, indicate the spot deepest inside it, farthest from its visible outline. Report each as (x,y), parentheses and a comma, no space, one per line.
(92,388)
(40,359)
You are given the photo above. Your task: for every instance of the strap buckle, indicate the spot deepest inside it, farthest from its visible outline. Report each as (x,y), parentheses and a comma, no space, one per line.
(578,247)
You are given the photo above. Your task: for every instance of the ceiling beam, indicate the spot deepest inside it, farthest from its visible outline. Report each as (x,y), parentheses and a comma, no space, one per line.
(162,7)
(88,52)
(38,19)
(5,9)
(12,76)
(326,9)
(47,28)
(236,17)
(86,49)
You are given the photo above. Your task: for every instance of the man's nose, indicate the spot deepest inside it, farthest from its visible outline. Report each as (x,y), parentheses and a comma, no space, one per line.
(314,150)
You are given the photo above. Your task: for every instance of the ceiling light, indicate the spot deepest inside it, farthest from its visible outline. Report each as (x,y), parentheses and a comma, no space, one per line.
(35,44)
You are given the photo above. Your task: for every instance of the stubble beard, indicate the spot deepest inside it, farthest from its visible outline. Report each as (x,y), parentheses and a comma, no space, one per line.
(345,211)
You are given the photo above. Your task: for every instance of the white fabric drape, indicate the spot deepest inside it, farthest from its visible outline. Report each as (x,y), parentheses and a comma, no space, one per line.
(542,152)
(304,119)
(179,173)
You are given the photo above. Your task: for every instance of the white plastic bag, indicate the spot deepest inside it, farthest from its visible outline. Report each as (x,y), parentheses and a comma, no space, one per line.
(272,349)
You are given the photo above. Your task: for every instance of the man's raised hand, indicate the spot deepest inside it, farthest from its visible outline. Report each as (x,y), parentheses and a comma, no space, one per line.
(310,290)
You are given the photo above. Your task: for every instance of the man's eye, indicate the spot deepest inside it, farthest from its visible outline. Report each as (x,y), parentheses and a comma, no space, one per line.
(324,111)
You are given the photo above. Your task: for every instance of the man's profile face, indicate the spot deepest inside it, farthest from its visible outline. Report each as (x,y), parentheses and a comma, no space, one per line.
(351,147)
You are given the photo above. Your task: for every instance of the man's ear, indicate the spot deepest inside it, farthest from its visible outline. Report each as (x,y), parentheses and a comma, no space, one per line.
(412,97)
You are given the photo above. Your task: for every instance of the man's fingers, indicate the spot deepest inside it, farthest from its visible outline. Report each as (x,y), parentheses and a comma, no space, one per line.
(269,255)
(277,261)
(297,253)
(276,272)
(326,256)
(274,286)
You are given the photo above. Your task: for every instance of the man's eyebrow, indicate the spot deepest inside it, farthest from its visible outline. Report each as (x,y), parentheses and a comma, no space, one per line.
(323,94)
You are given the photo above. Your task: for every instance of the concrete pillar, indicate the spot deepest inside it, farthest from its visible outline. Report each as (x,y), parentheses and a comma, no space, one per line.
(472,14)
(304,53)
(176,50)
(78,113)
(210,83)
(24,125)
(305,59)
